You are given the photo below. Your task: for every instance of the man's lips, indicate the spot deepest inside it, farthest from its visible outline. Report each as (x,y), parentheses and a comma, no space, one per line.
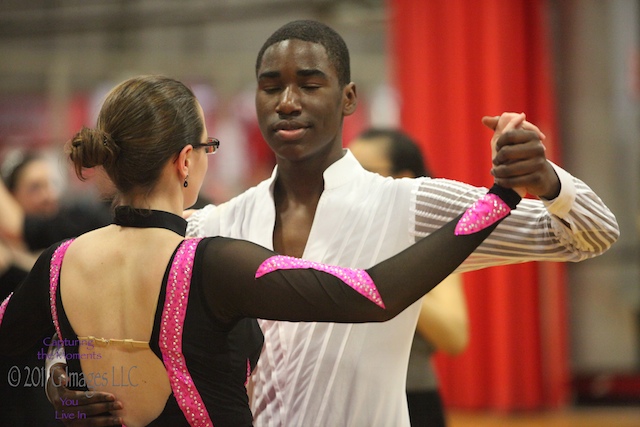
(290,130)
(290,135)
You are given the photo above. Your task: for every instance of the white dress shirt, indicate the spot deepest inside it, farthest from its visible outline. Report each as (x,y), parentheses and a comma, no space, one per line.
(328,374)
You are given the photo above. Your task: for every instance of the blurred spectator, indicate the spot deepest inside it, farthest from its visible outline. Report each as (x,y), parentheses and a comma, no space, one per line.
(32,217)
(28,188)
(443,320)
(32,213)
(29,177)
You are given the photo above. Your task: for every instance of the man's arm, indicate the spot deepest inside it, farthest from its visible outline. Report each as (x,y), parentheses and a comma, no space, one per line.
(572,226)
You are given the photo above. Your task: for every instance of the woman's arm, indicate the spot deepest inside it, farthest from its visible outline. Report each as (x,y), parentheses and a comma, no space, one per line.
(443,318)
(288,288)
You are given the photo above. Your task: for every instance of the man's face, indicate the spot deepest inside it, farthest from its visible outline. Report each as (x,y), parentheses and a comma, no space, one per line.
(299,102)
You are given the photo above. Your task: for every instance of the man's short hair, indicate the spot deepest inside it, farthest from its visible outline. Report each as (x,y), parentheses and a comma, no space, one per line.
(314,32)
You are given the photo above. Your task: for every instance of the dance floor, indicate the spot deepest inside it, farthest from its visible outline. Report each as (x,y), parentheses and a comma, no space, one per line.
(575,417)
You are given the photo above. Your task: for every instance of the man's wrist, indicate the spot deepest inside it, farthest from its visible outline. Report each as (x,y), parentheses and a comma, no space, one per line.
(51,382)
(563,202)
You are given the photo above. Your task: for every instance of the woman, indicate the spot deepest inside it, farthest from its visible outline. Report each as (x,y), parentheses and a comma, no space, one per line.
(168,324)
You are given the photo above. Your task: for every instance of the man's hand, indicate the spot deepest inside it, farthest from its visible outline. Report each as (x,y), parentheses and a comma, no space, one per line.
(519,159)
(94,405)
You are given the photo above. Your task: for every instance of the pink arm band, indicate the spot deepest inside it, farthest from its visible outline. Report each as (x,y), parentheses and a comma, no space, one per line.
(354,278)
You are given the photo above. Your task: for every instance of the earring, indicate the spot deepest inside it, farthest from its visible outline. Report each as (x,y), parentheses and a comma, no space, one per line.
(186,184)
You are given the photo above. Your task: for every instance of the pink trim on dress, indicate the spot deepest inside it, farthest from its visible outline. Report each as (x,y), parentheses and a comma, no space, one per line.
(354,278)
(3,306)
(484,212)
(54,276)
(171,328)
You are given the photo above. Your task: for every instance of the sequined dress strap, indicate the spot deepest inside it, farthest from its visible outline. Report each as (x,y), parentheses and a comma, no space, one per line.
(171,328)
(54,276)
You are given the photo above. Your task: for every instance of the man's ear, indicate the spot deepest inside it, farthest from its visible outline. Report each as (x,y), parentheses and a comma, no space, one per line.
(350,99)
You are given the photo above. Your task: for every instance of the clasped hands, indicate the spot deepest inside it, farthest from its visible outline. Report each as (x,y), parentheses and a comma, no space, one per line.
(519,159)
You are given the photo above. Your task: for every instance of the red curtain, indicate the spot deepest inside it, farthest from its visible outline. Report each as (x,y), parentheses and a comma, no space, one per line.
(454,61)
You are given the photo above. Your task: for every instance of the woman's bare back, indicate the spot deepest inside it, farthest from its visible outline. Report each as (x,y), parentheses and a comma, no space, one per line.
(109,283)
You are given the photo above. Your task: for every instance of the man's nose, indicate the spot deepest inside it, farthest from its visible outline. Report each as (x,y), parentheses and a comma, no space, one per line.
(289,102)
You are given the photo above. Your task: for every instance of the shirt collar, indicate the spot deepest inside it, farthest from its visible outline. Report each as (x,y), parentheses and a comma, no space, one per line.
(341,172)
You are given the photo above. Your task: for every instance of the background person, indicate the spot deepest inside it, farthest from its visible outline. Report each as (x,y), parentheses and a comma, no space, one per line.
(28,186)
(443,323)
(33,214)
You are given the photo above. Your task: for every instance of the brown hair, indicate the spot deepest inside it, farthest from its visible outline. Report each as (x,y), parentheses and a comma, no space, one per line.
(143,123)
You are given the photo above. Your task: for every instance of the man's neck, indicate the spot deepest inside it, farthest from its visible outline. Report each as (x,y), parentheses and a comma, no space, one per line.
(303,181)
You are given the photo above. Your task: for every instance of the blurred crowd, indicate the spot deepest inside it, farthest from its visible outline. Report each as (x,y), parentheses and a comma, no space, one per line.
(39,206)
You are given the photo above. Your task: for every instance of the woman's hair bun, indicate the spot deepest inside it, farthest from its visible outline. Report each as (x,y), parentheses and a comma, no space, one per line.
(92,147)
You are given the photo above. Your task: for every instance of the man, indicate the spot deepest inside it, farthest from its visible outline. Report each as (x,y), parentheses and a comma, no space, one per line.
(320,204)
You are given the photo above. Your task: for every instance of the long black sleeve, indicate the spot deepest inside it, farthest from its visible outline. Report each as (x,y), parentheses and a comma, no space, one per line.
(232,291)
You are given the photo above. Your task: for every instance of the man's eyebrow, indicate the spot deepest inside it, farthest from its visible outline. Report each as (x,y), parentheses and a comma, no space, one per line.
(307,72)
(311,72)
(269,75)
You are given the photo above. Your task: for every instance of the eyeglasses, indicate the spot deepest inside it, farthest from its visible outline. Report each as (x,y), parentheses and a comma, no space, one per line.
(210,147)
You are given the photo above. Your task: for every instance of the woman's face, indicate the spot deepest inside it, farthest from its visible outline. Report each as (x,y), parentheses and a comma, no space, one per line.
(35,188)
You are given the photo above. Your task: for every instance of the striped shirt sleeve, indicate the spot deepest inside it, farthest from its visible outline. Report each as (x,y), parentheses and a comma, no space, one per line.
(575,226)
